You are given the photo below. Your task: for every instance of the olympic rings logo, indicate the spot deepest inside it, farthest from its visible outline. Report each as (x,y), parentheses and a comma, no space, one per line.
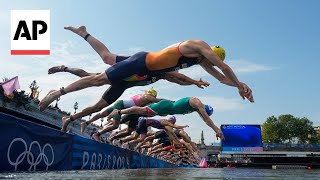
(33,162)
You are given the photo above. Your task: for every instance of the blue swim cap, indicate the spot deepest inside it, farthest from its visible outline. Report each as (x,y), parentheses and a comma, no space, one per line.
(209,109)
(172,119)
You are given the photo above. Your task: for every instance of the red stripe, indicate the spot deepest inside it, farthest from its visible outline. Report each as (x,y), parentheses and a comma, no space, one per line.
(30,52)
(178,48)
(150,111)
(167,148)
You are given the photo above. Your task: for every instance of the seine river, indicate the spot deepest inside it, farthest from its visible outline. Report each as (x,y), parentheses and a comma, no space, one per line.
(209,173)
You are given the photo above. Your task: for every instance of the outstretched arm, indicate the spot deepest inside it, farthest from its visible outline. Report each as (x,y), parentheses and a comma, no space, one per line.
(167,123)
(148,138)
(158,149)
(182,79)
(188,148)
(150,145)
(205,50)
(120,134)
(187,139)
(197,104)
(140,139)
(203,114)
(129,138)
(213,60)
(224,80)
(215,73)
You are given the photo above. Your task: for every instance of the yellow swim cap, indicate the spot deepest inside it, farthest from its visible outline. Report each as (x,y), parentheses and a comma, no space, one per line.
(152,92)
(219,51)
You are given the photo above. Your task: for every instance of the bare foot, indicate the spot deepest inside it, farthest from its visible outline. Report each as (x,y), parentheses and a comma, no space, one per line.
(109,140)
(50,97)
(83,127)
(96,137)
(65,123)
(55,69)
(81,30)
(116,143)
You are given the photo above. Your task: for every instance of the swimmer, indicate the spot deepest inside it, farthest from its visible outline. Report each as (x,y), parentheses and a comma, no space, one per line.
(148,97)
(182,106)
(115,91)
(132,121)
(142,64)
(141,132)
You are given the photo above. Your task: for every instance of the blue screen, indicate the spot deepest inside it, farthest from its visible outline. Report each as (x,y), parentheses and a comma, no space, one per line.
(241,136)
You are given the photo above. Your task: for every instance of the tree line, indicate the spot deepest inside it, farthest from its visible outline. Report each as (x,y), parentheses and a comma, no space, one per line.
(289,129)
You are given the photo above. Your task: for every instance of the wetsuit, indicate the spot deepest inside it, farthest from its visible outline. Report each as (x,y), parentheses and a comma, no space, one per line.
(133,120)
(115,91)
(142,64)
(162,134)
(165,107)
(155,123)
(123,104)
(165,141)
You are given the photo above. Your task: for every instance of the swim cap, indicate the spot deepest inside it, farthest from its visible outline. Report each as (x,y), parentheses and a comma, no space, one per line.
(219,51)
(152,92)
(209,109)
(172,119)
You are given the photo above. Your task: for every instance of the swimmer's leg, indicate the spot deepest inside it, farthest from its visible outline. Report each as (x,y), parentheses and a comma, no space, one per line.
(99,47)
(85,82)
(75,71)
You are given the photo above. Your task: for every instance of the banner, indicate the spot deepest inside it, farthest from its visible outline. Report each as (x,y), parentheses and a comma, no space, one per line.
(26,146)
(89,154)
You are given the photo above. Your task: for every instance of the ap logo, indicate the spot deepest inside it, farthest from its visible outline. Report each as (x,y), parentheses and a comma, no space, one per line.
(30,32)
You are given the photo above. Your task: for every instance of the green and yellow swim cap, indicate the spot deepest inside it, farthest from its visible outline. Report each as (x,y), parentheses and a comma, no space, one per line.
(219,51)
(152,92)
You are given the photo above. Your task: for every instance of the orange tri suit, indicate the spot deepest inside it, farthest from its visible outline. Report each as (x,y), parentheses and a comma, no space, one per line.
(142,64)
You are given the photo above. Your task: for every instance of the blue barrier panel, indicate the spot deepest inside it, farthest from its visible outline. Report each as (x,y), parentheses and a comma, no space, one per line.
(26,146)
(89,154)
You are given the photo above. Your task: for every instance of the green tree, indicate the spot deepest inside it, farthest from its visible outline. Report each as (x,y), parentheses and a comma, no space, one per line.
(288,129)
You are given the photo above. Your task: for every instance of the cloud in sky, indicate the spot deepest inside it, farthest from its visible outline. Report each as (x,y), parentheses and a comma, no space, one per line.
(244,66)
(240,66)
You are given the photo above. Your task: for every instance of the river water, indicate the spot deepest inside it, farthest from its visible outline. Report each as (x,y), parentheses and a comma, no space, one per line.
(194,173)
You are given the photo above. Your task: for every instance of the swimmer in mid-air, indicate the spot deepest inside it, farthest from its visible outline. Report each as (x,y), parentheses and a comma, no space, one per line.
(182,106)
(148,97)
(142,64)
(115,91)
(142,129)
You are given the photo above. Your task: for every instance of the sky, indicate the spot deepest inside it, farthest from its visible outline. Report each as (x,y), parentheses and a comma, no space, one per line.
(272,46)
